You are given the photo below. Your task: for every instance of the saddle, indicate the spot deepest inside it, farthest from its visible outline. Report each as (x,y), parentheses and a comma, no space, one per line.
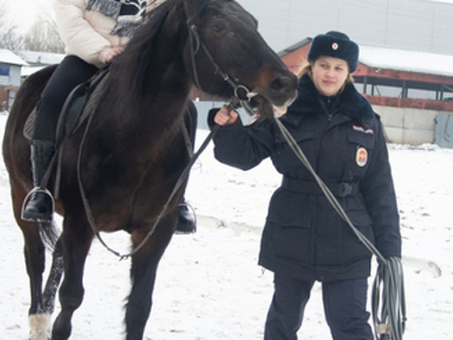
(72,114)
(79,105)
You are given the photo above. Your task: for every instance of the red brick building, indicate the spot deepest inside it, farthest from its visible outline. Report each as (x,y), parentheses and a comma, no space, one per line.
(409,89)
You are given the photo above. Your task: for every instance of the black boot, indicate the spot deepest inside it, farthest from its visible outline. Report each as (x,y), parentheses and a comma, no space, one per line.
(40,207)
(186,223)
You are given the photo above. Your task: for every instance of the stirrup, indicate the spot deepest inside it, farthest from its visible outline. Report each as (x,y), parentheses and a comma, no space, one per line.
(191,212)
(27,199)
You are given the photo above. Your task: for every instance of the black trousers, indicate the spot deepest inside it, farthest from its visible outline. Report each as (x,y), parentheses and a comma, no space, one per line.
(344,308)
(71,72)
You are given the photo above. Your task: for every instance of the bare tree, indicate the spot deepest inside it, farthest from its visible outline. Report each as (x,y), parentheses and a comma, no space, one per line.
(9,38)
(43,36)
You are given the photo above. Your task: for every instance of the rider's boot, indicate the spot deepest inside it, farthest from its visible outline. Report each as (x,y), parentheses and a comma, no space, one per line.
(40,206)
(186,222)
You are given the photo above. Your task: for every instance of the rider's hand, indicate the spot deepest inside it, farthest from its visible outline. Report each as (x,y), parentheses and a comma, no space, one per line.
(114,51)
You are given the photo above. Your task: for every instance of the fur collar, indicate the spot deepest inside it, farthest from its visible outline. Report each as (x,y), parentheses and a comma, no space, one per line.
(351,103)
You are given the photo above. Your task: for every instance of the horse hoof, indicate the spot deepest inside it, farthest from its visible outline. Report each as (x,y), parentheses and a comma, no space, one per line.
(39,326)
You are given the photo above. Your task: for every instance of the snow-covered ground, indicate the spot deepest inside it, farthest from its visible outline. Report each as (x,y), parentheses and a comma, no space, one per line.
(209,286)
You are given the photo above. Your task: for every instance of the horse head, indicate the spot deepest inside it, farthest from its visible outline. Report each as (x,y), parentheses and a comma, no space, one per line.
(224,40)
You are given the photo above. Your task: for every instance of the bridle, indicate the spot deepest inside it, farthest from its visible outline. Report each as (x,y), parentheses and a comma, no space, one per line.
(242,94)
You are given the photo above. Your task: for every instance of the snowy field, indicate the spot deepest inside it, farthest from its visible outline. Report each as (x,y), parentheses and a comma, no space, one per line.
(209,286)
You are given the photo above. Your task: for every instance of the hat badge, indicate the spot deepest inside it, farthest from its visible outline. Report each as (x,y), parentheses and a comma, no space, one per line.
(335,46)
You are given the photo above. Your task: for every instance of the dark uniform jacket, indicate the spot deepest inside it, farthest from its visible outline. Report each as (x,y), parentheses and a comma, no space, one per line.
(304,237)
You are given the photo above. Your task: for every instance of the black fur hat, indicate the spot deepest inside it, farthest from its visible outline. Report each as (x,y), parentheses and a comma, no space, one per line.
(337,45)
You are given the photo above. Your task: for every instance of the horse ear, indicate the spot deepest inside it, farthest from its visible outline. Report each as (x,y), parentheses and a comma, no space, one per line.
(193,8)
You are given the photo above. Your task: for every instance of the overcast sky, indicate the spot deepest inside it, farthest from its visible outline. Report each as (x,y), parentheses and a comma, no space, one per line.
(25,12)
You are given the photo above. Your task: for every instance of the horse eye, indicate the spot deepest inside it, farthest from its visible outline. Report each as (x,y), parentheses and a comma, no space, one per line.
(218,27)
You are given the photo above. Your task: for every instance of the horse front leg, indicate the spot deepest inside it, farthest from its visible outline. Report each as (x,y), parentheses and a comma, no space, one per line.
(40,321)
(76,244)
(143,275)
(34,253)
(41,304)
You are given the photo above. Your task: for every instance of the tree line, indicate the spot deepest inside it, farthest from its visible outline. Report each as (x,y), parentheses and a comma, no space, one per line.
(42,35)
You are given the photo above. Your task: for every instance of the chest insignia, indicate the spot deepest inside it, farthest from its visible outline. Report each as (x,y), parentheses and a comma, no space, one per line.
(361,157)
(358,128)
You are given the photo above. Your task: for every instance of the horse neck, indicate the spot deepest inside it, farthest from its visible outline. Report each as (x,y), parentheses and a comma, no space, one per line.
(156,105)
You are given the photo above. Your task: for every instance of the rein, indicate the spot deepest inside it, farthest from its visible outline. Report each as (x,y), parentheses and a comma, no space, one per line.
(177,186)
(242,97)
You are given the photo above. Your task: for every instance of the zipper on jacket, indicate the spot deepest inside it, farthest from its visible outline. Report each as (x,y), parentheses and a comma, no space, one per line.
(329,116)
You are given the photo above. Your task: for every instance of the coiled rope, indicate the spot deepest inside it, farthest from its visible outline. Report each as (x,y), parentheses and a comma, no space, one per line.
(389,320)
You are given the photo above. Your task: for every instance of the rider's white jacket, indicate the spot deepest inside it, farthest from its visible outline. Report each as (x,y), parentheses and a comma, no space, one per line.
(91,28)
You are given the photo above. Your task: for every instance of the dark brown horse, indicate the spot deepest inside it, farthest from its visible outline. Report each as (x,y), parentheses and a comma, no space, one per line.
(126,161)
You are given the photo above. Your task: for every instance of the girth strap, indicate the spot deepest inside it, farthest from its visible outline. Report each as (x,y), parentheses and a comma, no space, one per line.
(342,189)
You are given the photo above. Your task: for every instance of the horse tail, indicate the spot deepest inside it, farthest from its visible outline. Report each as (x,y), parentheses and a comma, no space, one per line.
(49,233)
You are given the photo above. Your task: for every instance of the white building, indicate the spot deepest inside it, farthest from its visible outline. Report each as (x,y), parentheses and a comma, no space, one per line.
(10,77)
(38,60)
(10,68)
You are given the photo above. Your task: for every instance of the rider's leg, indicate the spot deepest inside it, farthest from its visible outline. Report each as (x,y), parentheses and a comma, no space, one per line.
(71,72)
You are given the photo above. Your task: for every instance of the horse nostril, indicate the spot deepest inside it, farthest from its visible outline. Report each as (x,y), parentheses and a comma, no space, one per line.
(281,83)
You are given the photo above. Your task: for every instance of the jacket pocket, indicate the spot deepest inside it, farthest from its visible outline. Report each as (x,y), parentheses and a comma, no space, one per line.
(288,229)
(353,247)
(367,141)
(290,209)
(283,156)
(289,242)
(358,152)
(298,136)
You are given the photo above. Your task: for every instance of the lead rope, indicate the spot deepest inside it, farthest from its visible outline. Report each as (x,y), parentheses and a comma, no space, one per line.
(330,197)
(389,324)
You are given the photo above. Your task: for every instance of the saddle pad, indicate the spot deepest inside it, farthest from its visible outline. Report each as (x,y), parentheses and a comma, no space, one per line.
(29,125)
(72,113)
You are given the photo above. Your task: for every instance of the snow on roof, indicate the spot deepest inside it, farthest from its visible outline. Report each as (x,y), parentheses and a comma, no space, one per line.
(27,71)
(395,59)
(409,61)
(8,57)
(42,58)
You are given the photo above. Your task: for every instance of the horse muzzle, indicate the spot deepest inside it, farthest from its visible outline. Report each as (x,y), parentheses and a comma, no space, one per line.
(273,89)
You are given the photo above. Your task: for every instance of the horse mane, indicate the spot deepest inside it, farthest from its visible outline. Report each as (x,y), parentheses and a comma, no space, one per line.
(141,49)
